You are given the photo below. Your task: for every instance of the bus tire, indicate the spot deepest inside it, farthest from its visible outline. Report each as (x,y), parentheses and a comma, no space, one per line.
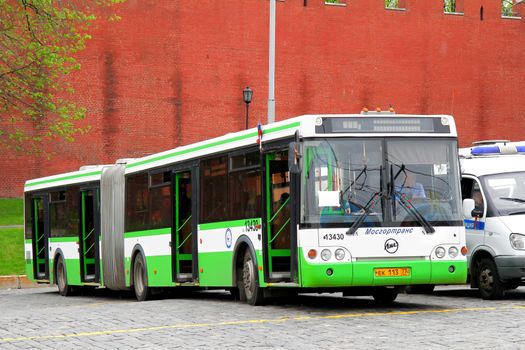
(384,296)
(63,288)
(489,284)
(249,284)
(140,279)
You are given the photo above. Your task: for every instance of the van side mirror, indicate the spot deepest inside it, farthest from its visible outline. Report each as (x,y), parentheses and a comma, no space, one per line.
(295,157)
(477,213)
(468,208)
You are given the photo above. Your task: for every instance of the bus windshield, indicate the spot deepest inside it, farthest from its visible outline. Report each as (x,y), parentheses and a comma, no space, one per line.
(506,192)
(390,182)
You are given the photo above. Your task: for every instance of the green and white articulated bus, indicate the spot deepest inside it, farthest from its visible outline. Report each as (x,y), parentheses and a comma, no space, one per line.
(364,204)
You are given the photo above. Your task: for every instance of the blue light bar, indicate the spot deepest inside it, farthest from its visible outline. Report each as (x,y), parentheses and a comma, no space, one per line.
(484,150)
(507,148)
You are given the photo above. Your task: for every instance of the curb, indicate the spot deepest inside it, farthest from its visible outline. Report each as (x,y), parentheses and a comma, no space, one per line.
(17,282)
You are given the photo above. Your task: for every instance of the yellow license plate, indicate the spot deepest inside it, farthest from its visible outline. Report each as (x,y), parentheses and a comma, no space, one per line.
(392,272)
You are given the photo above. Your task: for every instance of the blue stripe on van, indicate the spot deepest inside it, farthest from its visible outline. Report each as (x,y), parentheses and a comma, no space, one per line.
(474,225)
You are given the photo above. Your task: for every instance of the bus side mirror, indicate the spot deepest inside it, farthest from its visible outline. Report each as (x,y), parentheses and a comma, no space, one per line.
(468,207)
(295,157)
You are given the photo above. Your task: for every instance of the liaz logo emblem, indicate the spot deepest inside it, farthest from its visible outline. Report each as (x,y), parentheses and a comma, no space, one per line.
(228,238)
(391,245)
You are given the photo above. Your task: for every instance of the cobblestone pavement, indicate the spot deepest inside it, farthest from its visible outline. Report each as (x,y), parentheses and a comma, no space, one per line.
(453,316)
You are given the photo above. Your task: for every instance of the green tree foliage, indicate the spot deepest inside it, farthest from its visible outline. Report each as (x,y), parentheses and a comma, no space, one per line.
(38,41)
(506,7)
(391,4)
(449,5)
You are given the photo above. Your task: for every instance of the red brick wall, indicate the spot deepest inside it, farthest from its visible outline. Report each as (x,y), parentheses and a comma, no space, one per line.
(171,72)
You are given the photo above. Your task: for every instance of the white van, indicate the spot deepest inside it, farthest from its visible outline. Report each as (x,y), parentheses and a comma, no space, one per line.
(493,192)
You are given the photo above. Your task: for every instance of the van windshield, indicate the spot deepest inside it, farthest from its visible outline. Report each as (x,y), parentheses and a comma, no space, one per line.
(506,192)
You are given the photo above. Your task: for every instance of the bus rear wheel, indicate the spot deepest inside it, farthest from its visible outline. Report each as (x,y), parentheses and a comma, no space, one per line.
(249,283)
(63,288)
(140,279)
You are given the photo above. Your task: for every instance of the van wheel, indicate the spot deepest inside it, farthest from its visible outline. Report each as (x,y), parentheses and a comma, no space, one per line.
(490,286)
(385,296)
(250,285)
(63,288)
(140,279)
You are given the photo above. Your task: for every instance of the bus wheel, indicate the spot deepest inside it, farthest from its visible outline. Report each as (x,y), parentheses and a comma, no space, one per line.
(140,279)
(63,288)
(490,286)
(250,285)
(385,296)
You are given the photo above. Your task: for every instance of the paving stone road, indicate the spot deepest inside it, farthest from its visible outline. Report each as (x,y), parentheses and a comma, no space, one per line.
(452,317)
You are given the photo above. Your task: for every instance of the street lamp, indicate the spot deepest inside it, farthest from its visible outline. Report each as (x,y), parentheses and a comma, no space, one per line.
(247,96)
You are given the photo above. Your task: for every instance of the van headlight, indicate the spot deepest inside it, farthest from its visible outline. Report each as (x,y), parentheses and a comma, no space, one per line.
(517,241)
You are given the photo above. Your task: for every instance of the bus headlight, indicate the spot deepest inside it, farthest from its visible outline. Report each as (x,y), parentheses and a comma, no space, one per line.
(453,252)
(326,254)
(517,241)
(440,252)
(340,254)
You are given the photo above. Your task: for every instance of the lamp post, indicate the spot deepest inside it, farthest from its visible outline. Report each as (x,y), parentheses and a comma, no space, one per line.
(247,94)
(271,65)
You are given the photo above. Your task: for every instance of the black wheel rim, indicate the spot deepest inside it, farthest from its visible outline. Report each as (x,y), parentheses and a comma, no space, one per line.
(61,276)
(139,277)
(248,278)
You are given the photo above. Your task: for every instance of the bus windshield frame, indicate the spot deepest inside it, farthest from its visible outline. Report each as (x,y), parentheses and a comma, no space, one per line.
(380,182)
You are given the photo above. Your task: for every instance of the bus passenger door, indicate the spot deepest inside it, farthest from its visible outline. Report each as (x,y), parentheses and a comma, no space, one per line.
(184,229)
(280,236)
(40,220)
(90,236)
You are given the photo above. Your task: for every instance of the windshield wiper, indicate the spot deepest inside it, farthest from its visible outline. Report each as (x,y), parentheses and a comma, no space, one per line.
(411,209)
(513,199)
(352,230)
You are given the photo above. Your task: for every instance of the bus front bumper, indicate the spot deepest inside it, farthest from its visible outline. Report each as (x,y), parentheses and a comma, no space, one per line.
(364,273)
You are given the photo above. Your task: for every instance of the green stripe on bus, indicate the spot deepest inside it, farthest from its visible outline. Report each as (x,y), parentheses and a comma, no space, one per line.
(151,160)
(213,144)
(215,269)
(228,224)
(69,177)
(156,232)
(63,239)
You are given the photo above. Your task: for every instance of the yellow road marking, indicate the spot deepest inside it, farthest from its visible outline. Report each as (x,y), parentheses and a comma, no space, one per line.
(260,321)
